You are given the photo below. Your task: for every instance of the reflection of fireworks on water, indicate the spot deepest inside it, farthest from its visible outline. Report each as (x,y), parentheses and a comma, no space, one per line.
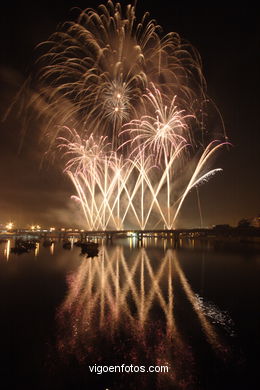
(114,301)
(146,94)
(110,302)
(217,316)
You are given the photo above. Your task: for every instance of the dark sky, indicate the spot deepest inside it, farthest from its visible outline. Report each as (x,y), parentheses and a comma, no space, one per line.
(227,37)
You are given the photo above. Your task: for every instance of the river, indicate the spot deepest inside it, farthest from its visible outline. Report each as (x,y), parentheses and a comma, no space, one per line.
(192,311)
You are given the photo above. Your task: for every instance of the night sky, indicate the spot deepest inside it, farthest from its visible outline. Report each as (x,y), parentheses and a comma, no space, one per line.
(227,38)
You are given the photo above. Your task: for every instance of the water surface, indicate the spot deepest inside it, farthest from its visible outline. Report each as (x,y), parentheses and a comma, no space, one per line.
(193,309)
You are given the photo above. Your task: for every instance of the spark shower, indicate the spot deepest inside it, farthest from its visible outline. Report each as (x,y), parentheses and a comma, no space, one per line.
(127,108)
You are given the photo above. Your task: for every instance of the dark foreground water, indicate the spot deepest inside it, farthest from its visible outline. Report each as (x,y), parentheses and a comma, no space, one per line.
(194,310)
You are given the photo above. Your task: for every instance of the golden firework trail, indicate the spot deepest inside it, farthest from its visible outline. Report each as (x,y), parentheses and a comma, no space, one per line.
(126,105)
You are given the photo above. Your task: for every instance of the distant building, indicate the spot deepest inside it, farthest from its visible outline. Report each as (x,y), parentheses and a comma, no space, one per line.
(250,222)
(223,226)
(255,221)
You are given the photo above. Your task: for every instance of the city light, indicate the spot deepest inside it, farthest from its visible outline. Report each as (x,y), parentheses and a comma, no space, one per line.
(9,226)
(35,227)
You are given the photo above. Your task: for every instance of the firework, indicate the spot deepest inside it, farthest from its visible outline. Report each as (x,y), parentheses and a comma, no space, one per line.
(135,99)
(110,188)
(102,64)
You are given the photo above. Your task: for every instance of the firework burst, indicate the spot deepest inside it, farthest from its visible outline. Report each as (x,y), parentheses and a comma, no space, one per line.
(103,63)
(135,100)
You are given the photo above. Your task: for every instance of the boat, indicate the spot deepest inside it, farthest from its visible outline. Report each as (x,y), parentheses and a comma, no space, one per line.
(89,245)
(30,244)
(19,249)
(90,248)
(67,244)
(78,243)
(22,246)
(47,243)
